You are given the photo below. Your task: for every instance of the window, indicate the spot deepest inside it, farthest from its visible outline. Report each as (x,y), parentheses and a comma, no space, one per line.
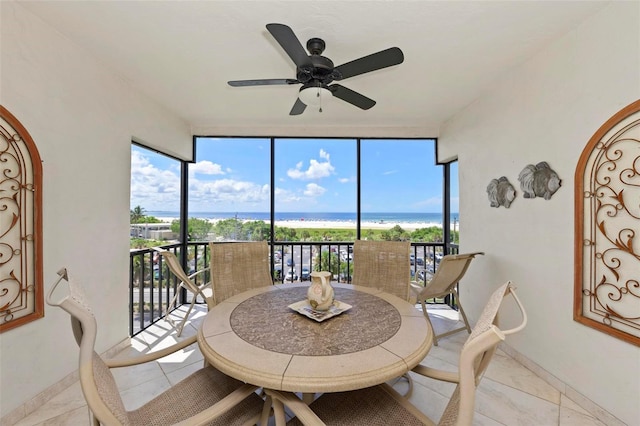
(347,185)
(229,186)
(155,197)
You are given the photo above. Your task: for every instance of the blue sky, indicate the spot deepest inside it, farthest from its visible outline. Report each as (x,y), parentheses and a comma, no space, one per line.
(312,175)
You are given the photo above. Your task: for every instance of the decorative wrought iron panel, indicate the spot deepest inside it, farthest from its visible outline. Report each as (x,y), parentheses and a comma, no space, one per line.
(607,241)
(21,289)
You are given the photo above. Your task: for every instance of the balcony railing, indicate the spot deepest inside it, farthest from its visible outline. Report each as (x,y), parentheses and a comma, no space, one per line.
(151,285)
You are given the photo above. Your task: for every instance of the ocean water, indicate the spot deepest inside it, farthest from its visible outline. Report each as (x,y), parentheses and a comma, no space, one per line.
(315,216)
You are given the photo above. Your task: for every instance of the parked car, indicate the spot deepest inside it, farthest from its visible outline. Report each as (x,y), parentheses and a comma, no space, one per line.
(291,275)
(291,262)
(305,275)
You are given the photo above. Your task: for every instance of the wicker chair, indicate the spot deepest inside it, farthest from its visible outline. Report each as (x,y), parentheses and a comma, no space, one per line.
(205,397)
(444,282)
(384,265)
(237,267)
(381,405)
(187,282)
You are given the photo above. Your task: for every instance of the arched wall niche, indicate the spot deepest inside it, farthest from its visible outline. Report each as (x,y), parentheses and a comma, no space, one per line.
(21,287)
(607,228)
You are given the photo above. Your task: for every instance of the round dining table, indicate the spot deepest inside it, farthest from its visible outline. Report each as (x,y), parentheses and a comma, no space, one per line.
(259,337)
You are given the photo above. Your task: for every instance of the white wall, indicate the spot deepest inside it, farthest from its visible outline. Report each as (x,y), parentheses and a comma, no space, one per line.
(547,110)
(82,119)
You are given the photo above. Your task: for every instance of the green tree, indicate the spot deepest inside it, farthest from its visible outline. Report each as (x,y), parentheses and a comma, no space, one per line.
(197,229)
(286,234)
(429,235)
(396,234)
(256,230)
(328,262)
(228,229)
(136,214)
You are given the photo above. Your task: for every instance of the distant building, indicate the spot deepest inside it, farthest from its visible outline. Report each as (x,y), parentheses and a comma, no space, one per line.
(153,231)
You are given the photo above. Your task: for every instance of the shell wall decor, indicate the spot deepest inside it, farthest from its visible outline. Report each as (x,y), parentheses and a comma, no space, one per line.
(501,192)
(539,181)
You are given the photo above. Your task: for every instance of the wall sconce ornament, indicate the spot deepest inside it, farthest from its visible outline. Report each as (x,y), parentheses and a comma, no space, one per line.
(539,181)
(501,192)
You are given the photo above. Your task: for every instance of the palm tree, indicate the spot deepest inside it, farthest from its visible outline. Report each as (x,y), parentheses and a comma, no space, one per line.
(137,214)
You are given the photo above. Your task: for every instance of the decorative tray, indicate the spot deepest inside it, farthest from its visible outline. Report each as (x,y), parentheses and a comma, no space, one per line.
(305,309)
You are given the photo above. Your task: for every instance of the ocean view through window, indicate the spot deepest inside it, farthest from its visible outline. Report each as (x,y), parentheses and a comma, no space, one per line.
(383,188)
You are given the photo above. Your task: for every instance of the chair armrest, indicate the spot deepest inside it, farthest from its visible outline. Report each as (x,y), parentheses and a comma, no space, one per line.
(512,291)
(152,356)
(445,376)
(299,408)
(216,410)
(198,272)
(416,287)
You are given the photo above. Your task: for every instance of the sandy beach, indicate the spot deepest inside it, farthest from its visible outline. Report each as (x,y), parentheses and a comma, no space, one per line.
(327,224)
(323,224)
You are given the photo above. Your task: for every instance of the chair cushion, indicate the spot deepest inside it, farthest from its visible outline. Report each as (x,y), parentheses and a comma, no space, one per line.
(371,406)
(197,392)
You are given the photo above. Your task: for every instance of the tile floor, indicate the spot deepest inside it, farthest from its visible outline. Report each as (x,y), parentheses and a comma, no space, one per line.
(509,394)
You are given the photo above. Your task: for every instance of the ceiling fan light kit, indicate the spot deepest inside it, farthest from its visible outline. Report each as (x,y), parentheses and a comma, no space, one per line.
(314,95)
(316,72)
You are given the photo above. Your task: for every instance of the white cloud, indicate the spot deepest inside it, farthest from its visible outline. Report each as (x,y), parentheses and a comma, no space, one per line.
(227,190)
(390,172)
(206,168)
(285,196)
(316,170)
(314,190)
(347,180)
(153,188)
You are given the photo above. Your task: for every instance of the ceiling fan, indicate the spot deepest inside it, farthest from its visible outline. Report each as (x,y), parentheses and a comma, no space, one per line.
(316,72)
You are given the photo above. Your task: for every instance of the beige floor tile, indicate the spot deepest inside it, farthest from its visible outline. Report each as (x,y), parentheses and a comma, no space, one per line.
(133,376)
(507,371)
(569,417)
(77,417)
(510,406)
(68,400)
(137,396)
(567,403)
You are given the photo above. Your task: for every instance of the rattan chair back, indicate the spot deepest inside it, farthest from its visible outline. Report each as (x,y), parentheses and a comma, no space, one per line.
(237,267)
(384,265)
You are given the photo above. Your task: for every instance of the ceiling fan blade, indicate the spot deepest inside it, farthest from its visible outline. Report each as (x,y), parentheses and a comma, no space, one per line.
(375,61)
(290,43)
(298,107)
(263,82)
(354,98)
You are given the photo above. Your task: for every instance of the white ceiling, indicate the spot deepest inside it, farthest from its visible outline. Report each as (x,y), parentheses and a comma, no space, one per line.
(182,53)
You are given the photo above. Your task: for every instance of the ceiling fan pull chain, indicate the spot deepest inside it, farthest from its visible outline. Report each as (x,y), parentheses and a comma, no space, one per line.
(320,99)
